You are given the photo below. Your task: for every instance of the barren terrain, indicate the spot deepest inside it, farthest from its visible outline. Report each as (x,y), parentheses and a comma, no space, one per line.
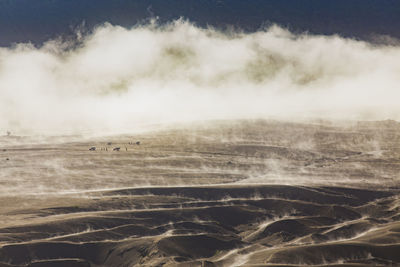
(236,193)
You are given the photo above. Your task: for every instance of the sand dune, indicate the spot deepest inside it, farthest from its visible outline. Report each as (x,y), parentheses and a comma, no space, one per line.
(225,194)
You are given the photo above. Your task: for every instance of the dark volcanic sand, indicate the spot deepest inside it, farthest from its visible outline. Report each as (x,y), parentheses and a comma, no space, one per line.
(248,193)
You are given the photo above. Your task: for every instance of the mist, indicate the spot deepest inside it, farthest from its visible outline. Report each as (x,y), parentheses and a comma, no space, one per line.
(117,79)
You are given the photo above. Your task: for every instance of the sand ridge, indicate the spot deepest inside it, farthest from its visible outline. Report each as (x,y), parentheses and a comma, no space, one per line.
(243,193)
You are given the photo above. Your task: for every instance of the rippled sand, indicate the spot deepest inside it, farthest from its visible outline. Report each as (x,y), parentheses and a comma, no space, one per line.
(239,193)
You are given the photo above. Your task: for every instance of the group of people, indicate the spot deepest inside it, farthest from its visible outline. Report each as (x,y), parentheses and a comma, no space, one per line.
(93,148)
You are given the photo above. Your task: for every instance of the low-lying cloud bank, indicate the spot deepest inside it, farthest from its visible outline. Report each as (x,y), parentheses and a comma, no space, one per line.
(121,78)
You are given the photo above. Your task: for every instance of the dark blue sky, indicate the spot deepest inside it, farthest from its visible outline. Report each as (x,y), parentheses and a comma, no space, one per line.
(39,20)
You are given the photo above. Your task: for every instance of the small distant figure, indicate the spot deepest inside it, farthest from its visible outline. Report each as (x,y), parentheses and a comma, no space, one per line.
(8,133)
(126,148)
(106,149)
(230,163)
(109,143)
(4,150)
(116,148)
(7,159)
(93,148)
(138,143)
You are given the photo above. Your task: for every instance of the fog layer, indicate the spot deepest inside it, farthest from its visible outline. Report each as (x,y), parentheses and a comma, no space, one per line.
(121,79)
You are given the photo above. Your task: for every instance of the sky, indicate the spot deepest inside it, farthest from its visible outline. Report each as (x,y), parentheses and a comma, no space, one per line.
(39,20)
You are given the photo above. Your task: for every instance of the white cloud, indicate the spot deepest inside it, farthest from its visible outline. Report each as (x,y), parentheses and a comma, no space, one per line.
(120,78)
